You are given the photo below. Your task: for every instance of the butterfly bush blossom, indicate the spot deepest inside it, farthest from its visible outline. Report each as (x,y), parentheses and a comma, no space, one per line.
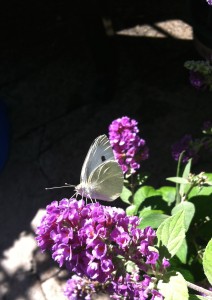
(192,146)
(186,144)
(200,73)
(95,242)
(129,149)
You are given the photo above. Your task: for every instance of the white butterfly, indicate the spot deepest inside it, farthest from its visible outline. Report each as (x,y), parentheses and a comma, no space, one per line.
(101,176)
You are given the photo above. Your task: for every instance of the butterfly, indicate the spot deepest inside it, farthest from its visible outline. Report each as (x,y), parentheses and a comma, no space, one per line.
(101,176)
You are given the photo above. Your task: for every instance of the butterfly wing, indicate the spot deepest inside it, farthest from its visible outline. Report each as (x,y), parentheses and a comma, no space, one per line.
(106,181)
(99,152)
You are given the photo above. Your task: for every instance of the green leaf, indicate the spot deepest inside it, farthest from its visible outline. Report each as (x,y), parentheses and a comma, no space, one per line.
(187,169)
(203,191)
(125,195)
(185,175)
(131,210)
(148,211)
(172,232)
(189,210)
(209,175)
(143,193)
(182,252)
(207,261)
(174,287)
(177,180)
(152,218)
(168,193)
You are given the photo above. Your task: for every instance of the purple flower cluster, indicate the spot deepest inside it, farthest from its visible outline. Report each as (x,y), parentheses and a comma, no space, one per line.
(129,149)
(132,287)
(123,287)
(88,238)
(209,2)
(78,288)
(197,80)
(189,146)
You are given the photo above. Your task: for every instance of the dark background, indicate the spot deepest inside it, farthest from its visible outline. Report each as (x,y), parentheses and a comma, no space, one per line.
(64,81)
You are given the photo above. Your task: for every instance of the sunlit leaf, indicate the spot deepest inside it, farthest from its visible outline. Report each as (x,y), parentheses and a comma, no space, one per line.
(172,232)
(152,218)
(178,180)
(189,210)
(186,172)
(207,261)
(182,252)
(143,193)
(168,193)
(174,287)
(125,195)
(131,210)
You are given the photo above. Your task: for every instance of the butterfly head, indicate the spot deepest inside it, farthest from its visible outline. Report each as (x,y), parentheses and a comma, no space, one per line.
(84,190)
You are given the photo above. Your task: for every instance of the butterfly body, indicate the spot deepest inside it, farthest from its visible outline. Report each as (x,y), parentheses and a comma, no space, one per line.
(101,176)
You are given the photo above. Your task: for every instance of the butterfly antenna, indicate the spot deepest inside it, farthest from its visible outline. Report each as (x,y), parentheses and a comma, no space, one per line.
(75,194)
(60,187)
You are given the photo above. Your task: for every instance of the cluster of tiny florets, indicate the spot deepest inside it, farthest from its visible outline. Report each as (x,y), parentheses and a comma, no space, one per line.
(126,287)
(129,149)
(95,241)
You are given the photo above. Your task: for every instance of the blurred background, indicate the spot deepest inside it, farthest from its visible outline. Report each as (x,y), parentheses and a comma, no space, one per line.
(67,70)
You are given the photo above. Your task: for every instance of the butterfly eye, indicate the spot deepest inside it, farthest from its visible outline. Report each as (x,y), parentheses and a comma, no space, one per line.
(103,158)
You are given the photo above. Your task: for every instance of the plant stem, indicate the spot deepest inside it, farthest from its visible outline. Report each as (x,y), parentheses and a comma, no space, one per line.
(199,289)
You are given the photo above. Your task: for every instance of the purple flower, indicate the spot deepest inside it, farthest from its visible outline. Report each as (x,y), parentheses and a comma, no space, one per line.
(89,239)
(99,249)
(209,2)
(165,263)
(156,295)
(188,145)
(129,149)
(131,286)
(79,288)
(196,79)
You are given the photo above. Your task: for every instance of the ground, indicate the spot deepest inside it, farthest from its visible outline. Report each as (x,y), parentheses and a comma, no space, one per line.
(63,82)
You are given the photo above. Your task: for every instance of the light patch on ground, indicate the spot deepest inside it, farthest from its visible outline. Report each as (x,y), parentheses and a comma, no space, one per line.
(19,256)
(171,28)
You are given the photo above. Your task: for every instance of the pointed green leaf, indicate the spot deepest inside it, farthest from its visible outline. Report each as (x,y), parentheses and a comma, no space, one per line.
(143,193)
(182,252)
(189,210)
(152,218)
(172,232)
(131,210)
(209,176)
(203,191)
(125,195)
(207,261)
(187,169)
(168,193)
(174,287)
(185,175)
(177,180)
